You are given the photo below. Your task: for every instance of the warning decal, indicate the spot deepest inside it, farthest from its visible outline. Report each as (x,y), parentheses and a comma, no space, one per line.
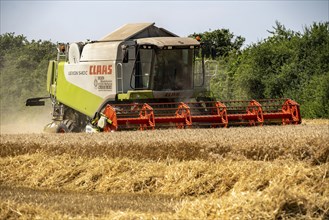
(102,84)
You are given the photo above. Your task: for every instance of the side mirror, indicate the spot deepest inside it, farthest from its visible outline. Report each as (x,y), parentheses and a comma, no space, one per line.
(125,52)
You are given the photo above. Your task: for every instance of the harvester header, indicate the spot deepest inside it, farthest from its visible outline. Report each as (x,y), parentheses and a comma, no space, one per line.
(211,114)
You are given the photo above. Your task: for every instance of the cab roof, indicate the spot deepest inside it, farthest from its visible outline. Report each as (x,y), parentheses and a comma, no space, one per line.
(161,42)
(136,31)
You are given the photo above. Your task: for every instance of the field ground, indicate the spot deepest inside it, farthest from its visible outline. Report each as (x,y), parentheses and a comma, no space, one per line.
(270,172)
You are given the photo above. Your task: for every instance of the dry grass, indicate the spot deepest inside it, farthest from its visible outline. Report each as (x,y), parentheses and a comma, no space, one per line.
(88,203)
(304,142)
(319,121)
(274,172)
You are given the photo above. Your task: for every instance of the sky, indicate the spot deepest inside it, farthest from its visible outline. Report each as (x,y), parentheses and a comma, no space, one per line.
(71,21)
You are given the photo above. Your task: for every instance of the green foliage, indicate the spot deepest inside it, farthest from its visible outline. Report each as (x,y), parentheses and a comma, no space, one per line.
(219,42)
(286,64)
(23,69)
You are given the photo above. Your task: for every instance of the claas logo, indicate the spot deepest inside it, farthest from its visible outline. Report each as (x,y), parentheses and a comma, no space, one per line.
(100,69)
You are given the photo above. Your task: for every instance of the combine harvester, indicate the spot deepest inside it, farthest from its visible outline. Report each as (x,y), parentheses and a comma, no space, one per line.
(144,77)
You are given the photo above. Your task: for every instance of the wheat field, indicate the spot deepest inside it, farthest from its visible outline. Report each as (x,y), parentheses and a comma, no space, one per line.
(270,172)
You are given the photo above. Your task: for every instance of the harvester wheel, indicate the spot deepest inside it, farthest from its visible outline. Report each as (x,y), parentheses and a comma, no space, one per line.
(65,126)
(62,128)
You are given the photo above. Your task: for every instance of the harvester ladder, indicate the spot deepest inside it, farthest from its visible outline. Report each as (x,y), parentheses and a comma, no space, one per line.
(119,78)
(62,54)
(211,68)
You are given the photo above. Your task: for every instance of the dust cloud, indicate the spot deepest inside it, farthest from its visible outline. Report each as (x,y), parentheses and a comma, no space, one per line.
(28,120)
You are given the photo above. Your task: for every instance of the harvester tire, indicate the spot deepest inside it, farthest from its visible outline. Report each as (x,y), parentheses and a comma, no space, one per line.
(65,126)
(61,128)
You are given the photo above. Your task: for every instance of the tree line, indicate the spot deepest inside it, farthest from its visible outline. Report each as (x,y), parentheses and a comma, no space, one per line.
(23,68)
(286,64)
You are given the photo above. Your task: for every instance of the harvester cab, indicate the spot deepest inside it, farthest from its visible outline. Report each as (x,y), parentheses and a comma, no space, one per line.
(143,77)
